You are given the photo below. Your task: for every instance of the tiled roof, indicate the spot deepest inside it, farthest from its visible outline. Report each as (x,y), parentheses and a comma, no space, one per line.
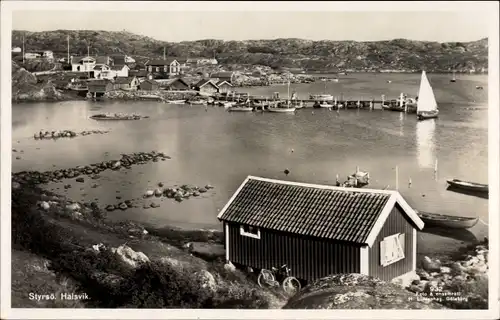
(311,210)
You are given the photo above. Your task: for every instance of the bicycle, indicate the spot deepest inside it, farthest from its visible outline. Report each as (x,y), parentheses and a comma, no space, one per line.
(290,284)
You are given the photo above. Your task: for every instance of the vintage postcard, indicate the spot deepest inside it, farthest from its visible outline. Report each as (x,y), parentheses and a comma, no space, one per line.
(274,160)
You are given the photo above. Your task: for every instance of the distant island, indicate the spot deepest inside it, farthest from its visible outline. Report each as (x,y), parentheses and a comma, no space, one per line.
(398,55)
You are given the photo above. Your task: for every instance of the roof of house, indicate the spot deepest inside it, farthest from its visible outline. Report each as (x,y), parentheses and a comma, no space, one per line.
(343,214)
(222,82)
(149,81)
(124,80)
(160,62)
(99,59)
(204,82)
(139,73)
(118,67)
(119,59)
(171,81)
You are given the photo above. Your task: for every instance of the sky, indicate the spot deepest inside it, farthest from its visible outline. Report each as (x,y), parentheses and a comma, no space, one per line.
(429,25)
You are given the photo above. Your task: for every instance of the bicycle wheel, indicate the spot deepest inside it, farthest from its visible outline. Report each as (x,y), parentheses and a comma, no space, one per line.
(265,279)
(291,286)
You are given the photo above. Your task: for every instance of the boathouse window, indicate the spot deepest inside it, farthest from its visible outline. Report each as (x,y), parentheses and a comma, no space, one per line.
(250,231)
(392,249)
(157,69)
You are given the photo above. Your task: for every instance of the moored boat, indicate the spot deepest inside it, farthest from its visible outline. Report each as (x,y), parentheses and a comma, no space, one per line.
(198,102)
(467,185)
(447,221)
(175,101)
(241,108)
(426,105)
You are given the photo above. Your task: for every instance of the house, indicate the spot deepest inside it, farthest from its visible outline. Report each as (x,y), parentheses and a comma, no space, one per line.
(224,86)
(99,87)
(177,84)
(320,230)
(227,76)
(32,55)
(47,54)
(87,63)
(103,71)
(121,70)
(163,68)
(128,83)
(206,86)
(149,85)
(122,59)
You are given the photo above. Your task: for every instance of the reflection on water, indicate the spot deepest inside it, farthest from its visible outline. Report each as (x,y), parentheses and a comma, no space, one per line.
(426,143)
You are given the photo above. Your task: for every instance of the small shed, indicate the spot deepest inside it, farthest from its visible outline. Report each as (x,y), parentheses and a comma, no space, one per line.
(129,83)
(320,230)
(99,86)
(224,86)
(149,85)
(206,86)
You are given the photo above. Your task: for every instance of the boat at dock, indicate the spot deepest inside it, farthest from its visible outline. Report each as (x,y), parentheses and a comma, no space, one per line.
(282,109)
(447,221)
(426,105)
(198,102)
(238,108)
(322,104)
(175,101)
(469,186)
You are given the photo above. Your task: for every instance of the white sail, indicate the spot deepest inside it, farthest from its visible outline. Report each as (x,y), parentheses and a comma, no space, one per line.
(426,99)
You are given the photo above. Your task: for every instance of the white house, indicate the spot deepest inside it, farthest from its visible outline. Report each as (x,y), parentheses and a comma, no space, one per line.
(121,71)
(129,59)
(48,54)
(103,71)
(83,64)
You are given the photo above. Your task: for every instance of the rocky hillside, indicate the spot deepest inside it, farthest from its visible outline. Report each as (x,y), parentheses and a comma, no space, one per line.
(398,54)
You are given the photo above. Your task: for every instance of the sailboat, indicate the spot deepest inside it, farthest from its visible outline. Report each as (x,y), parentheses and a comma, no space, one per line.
(426,103)
(322,97)
(454,79)
(287,108)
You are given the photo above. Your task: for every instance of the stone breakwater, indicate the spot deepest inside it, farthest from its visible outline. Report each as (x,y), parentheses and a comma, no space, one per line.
(65,134)
(93,170)
(148,95)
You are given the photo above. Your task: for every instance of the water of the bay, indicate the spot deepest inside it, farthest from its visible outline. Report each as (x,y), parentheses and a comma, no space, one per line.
(212,146)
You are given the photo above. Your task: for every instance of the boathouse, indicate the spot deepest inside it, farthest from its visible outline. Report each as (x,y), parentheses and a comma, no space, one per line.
(149,85)
(177,84)
(206,86)
(224,86)
(129,83)
(320,230)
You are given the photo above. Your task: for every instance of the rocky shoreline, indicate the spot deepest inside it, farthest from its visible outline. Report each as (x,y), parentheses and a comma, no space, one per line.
(104,257)
(56,134)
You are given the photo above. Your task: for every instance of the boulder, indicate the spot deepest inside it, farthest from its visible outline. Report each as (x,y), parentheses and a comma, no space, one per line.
(206,280)
(149,193)
(208,251)
(356,291)
(444,270)
(73,206)
(430,265)
(45,205)
(229,267)
(129,256)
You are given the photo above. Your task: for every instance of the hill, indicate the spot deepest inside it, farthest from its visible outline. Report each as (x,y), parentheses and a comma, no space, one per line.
(397,54)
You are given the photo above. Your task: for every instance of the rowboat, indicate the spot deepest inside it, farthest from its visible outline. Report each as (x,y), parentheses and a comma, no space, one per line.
(446,221)
(240,109)
(175,101)
(322,104)
(466,185)
(282,109)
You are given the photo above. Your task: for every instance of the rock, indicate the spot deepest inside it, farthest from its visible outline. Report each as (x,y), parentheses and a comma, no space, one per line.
(123,206)
(73,206)
(154,205)
(207,251)
(415,282)
(406,280)
(129,256)
(146,206)
(250,270)
(206,280)
(196,194)
(202,190)
(430,265)
(108,280)
(356,291)
(80,180)
(160,184)
(423,274)
(445,270)
(149,193)
(158,192)
(15,185)
(229,267)
(45,205)
(110,207)
(208,187)
(416,289)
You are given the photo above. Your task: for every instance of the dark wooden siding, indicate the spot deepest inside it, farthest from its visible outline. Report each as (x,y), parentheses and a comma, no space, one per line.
(308,258)
(397,222)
